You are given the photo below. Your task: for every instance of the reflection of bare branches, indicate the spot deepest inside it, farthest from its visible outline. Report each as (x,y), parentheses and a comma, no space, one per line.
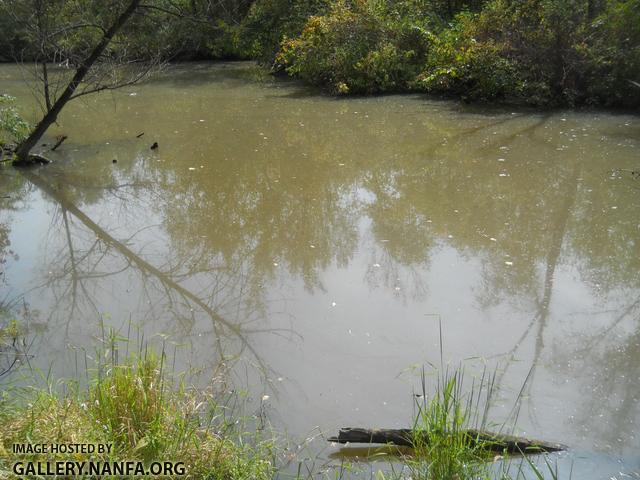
(14,347)
(598,337)
(174,292)
(541,317)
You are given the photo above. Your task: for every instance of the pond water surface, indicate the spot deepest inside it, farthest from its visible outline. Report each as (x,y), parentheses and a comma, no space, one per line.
(315,245)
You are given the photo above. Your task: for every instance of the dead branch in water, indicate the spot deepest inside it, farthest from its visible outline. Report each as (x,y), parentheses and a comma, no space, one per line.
(494,442)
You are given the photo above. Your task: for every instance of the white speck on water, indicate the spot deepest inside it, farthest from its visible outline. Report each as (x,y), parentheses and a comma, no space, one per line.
(275,264)
(397,289)
(503,175)
(493,239)
(201,120)
(349,332)
(265,398)
(449,236)
(192,168)
(501,159)
(133,94)
(508,263)
(341,164)
(614,208)
(312,246)
(333,304)
(376,265)
(280,379)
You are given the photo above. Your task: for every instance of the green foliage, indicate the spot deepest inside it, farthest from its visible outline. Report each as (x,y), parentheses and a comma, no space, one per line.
(541,52)
(556,51)
(359,47)
(12,126)
(270,22)
(613,56)
(443,448)
(457,64)
(135,407)
(448,453)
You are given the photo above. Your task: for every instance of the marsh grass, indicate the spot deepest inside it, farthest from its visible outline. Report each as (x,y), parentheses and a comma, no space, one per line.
(443,448)
(439,430)
(145,413)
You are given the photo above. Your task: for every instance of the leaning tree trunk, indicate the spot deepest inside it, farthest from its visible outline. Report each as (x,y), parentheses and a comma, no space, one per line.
(22,151)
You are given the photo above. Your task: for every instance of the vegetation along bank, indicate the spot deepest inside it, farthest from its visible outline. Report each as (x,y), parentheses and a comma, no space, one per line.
(537,52)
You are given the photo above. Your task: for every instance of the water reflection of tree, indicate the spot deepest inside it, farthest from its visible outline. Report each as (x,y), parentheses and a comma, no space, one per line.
(611,355)
(523,227)
(13,191)
(91,257)
(15,342)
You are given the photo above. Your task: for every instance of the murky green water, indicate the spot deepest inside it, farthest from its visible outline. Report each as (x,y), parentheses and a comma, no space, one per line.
(314,244)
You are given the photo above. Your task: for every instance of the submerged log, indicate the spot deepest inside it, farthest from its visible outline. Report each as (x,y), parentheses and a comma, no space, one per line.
(494,442)
(59,141)
(33,159)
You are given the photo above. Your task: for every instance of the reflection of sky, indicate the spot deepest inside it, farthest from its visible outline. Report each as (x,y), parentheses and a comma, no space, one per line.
(28,228)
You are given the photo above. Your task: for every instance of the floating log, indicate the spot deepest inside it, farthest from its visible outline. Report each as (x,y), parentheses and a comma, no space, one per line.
(494,442)
(59,141)
(34,159)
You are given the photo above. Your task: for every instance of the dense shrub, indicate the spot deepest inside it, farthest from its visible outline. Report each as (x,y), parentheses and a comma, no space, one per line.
(613,57)
(542,52)
(269,22)
(358,47)
(12,127)
(458,64)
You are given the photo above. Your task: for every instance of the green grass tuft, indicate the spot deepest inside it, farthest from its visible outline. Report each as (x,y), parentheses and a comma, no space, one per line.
(137,408)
